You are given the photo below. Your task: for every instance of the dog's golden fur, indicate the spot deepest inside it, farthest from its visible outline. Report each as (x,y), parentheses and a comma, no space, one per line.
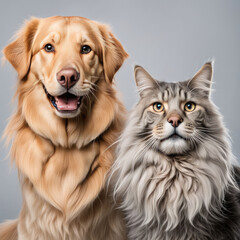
(63,160)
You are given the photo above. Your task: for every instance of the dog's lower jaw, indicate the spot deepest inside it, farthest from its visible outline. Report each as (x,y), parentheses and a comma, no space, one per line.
(68,114)
(64,113)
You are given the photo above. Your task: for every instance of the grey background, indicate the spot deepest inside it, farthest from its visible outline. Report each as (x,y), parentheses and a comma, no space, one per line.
(171,39)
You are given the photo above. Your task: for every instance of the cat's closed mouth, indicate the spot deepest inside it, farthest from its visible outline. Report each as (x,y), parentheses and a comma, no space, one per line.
(174,136)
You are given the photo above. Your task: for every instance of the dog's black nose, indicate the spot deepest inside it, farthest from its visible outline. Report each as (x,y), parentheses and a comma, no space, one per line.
(67,77)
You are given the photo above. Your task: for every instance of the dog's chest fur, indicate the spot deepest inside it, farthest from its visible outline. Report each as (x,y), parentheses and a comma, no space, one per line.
(39,220)
(62,177)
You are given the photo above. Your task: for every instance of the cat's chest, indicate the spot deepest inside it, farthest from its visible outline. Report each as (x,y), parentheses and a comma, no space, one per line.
(164,191)
(158,180)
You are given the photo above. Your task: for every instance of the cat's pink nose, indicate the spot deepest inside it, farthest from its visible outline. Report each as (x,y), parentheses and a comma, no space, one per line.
(175,119)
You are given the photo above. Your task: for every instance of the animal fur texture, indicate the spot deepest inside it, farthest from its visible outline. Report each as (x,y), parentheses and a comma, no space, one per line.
(63,127)
(174,175)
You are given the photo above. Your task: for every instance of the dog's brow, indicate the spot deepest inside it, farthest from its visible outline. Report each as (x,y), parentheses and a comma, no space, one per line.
(53,37)
(81,38)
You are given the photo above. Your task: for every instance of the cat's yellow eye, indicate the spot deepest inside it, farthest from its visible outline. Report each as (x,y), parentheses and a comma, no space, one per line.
(158,107)
(189,106)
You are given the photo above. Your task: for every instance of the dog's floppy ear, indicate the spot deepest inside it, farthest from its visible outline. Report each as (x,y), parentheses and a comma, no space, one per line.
(18,52)
(113,53)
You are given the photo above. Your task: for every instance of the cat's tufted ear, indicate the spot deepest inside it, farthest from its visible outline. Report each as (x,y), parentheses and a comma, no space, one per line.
(113,53)
(18,52)
(202,80)
(144,80)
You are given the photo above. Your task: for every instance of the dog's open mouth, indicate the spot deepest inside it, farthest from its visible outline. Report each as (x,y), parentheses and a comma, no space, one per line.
(66,102)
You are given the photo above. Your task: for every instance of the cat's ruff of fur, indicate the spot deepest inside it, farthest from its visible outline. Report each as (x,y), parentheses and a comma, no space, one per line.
(176,196)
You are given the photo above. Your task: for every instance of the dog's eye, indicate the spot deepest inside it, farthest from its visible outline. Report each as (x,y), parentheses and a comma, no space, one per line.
(49,48)
(85,49)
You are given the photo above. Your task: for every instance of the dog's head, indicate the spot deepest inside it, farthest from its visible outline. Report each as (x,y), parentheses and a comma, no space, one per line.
(67,55)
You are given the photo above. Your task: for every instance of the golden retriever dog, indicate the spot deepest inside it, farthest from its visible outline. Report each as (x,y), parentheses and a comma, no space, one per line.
(67,118)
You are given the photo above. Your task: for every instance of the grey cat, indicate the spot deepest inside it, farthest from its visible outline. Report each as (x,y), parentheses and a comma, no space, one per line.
(174,175)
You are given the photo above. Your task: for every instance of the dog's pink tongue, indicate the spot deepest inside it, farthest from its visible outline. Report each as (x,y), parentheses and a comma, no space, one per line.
(67,102)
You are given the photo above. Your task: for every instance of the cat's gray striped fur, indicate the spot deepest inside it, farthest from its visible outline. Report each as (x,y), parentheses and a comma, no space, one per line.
(177,182)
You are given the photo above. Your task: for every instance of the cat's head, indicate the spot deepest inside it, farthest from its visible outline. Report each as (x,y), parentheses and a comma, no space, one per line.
(176,118)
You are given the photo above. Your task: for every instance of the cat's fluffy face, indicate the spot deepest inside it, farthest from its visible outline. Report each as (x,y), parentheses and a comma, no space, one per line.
(176,124)
(175,116)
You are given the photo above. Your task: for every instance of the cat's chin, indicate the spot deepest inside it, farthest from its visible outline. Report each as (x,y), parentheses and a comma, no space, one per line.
(174,146)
